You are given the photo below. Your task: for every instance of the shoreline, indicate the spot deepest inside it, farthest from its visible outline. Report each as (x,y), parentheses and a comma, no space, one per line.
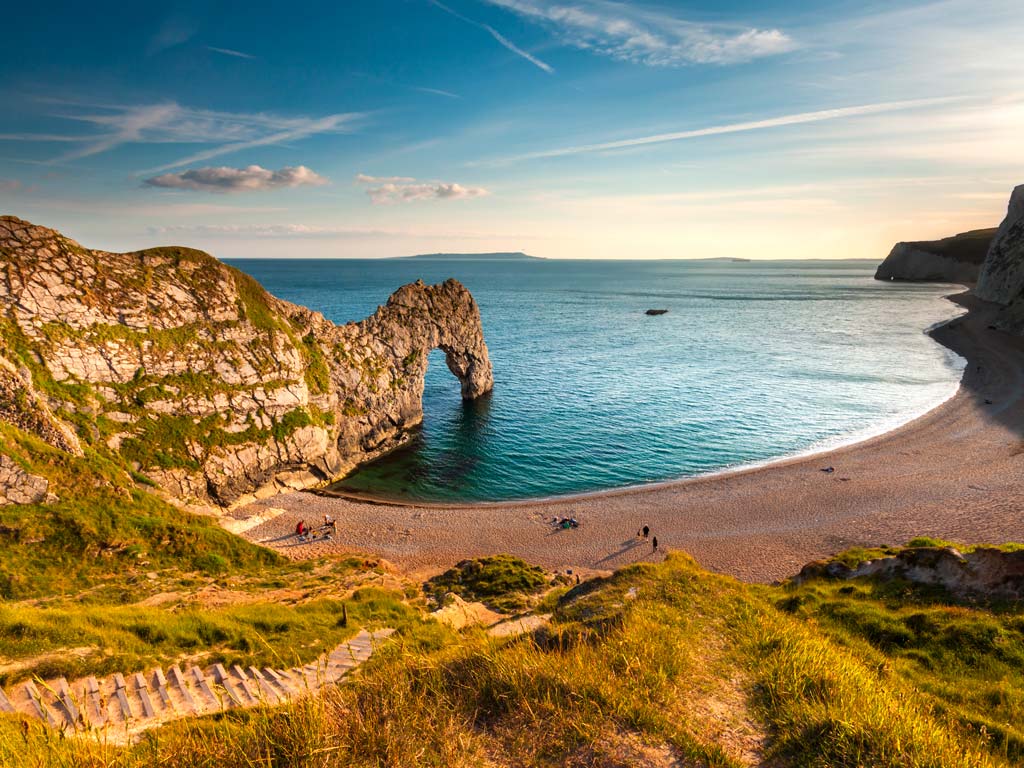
(844,441)
(795,523)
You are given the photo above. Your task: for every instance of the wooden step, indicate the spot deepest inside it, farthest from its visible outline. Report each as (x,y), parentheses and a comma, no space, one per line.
(221,678)
(211,702)
(66,704)
(5,703)
(268,693)
(142,691)
(249,692)
(39,708)
(179,684)
(95,703)
(160,686)
(121,697)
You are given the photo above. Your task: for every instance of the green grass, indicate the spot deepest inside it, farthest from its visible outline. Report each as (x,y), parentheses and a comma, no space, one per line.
(665,658)
(502,582)
(73,639)
(968,659)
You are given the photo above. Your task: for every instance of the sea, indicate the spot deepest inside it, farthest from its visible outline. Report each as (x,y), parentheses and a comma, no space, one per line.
(753,362)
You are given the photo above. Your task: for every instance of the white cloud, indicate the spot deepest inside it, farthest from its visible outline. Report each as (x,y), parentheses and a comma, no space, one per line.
(266,230)
(436,92)
(504,41)
(252,178)
(170,123)
(230,52)
(362,178)
(752,125)
(405,189)
(631,33)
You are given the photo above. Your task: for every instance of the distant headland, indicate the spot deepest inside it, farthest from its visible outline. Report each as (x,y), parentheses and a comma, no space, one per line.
(512,256)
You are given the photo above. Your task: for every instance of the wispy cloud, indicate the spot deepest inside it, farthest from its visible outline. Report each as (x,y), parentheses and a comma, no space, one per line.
(230,52)
(655,38)
(404,189)
(436,92)
(10,185)
(267,230)
(499,37)
(250,179)
(362,178)
(753,125)
(172,32)
(170,123)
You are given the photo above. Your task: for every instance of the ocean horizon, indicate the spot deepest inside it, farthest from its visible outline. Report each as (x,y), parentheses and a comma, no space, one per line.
(753,362)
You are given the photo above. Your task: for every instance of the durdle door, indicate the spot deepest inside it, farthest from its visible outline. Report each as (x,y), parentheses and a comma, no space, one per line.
(193,375)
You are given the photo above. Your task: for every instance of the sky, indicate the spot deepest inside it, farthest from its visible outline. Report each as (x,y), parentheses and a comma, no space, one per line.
(562,128)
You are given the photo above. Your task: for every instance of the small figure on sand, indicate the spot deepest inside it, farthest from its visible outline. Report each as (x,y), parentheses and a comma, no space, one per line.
(301,529)
(646,530)
(655,543)
(329,525)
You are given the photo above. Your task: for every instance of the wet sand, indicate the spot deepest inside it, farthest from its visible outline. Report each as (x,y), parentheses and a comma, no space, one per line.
(955,473)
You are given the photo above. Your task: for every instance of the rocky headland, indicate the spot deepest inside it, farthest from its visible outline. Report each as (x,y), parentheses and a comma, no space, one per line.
(954,259)
(991,258)
(192,375)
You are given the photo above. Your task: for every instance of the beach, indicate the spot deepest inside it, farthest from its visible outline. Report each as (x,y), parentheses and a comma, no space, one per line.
(955,473)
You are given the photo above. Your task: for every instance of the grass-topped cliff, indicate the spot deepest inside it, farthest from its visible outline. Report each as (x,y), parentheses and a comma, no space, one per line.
(658,665)
(189,374)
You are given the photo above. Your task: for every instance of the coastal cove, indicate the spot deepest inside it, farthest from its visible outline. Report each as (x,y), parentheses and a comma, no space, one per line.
(954,473)
(593,395)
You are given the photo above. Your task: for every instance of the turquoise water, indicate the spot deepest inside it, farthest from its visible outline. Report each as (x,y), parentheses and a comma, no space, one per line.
(754,361)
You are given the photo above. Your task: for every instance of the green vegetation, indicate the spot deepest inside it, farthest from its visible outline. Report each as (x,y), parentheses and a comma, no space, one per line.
(654,664)
(136,637)
(969,660)
(106,530)
(502,583)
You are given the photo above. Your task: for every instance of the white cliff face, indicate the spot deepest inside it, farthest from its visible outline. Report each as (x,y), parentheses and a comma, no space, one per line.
(1002,275)
(200,379)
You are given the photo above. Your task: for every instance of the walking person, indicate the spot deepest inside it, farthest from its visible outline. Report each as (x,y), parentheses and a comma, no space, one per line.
(647,532)
(655,543)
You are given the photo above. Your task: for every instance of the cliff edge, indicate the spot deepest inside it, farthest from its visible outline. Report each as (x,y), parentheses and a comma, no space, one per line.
(1002,275)
(193,375)
(954,259)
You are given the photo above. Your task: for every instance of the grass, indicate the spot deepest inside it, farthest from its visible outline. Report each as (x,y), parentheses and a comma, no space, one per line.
(658,660)
(133,638)
(502,582)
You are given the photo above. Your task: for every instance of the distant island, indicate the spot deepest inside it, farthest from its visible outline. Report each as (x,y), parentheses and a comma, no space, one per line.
(516,256)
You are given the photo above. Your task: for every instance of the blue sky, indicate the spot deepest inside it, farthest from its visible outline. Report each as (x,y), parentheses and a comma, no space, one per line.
(569,128)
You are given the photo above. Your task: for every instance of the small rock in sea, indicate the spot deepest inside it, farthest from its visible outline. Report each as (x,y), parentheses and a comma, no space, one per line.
(988,402)
(656,312)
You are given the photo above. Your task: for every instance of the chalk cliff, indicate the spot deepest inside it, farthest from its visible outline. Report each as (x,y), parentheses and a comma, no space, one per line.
(1002,275)
(954,259)
(192,374)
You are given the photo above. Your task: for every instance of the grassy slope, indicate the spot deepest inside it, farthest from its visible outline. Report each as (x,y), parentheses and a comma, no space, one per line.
(657,661)
(970,246)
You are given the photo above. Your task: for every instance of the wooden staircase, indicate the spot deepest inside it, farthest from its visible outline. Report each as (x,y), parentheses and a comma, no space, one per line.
(126,706)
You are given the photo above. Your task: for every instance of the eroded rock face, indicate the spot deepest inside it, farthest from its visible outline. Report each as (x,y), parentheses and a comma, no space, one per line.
(200,379)
(19,487)
(985,572)
(954,259)
(1002,276)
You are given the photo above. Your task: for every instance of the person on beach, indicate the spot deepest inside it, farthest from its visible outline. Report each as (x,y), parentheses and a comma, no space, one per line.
(655,543)
(300,529)
(647,532)
(329,524)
